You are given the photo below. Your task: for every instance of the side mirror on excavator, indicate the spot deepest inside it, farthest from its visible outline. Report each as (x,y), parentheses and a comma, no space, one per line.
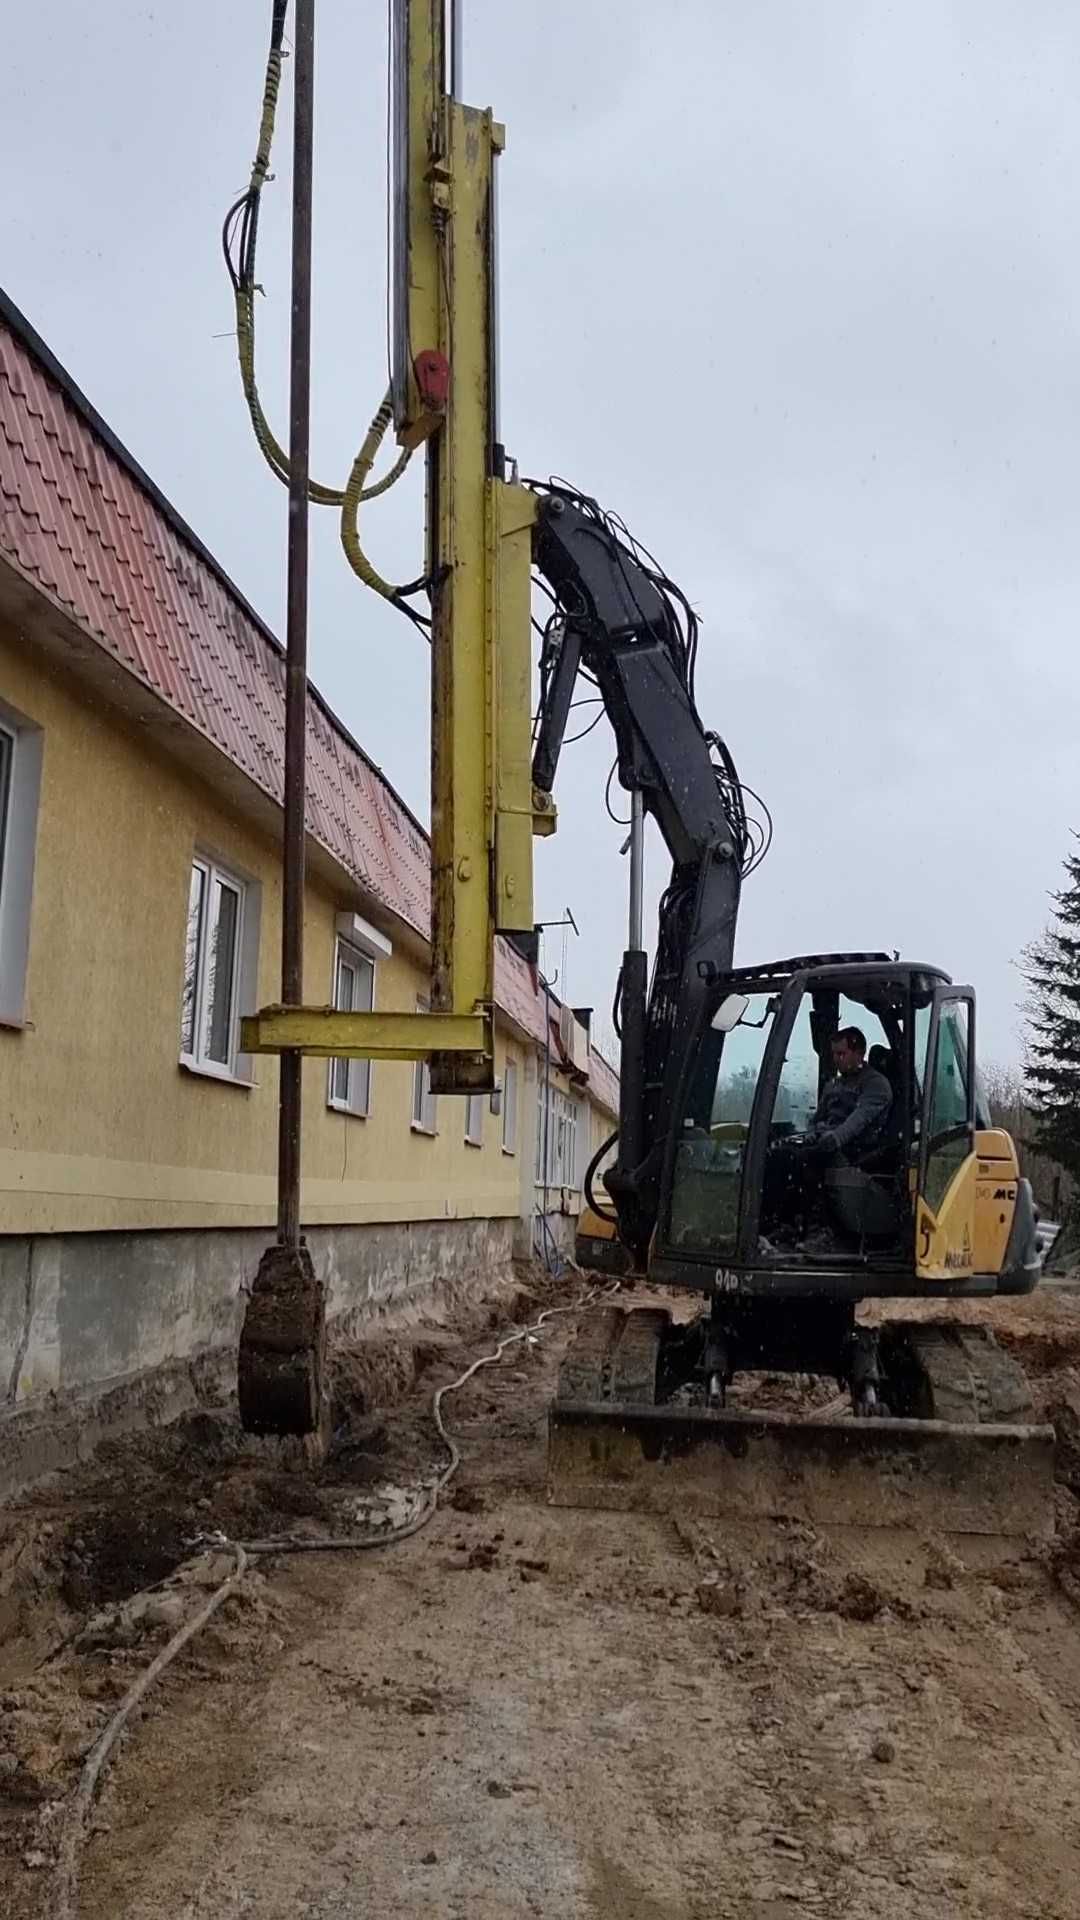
(729,1012)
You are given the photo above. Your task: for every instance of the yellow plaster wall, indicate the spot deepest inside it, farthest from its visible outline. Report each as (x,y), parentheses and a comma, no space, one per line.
(99,1125)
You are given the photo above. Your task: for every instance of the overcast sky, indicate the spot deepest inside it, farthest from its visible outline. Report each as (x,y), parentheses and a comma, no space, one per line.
(792,285)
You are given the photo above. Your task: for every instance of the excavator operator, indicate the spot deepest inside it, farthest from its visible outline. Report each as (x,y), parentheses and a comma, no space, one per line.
(849,1120)
(853,1110)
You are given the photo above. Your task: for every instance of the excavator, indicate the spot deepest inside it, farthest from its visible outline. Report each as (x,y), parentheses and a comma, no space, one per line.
(722,1071)
(765,1258)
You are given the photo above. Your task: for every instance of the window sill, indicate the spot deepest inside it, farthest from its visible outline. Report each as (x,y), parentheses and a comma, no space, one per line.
(13,1024)
(220,1074)
(426,1133)
(478,1144)
(350,1113)
(510,1152)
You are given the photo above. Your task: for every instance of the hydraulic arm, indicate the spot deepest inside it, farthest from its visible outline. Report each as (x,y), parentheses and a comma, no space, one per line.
(622,623)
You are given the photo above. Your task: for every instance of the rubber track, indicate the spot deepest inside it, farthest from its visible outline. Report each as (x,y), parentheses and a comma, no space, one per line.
(637,1356)
(585,1372)
(615,1357)
(968,1376)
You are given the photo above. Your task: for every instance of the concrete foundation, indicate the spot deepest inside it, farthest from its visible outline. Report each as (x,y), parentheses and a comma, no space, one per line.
(544,1234)
(105,1331)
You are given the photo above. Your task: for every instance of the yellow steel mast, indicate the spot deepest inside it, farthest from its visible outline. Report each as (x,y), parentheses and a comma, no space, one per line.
(479,533)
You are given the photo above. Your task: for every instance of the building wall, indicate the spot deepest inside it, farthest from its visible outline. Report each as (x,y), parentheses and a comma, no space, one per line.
(102,1332)
(101,1126)
(136,1195)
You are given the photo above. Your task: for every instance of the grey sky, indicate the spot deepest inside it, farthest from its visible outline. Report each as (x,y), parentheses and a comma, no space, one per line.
(791,285)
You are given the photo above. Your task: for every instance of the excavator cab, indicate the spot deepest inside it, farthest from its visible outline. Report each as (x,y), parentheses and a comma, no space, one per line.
(928,1200)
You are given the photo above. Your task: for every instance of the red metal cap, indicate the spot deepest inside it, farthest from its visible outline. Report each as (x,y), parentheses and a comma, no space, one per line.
(432,370)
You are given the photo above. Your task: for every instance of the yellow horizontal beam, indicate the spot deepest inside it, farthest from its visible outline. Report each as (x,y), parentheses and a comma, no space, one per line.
(368,1036)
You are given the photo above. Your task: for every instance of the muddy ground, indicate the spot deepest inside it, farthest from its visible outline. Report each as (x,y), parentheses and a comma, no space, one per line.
(524,1710)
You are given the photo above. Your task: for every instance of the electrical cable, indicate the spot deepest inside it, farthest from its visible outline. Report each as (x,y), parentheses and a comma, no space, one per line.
(585,731)
(239,239)
(612,815)
(599,1207)
(74,1831)
(67,1868)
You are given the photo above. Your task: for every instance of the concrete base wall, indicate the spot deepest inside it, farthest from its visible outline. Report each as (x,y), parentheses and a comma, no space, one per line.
(101,1331)
(533,1243)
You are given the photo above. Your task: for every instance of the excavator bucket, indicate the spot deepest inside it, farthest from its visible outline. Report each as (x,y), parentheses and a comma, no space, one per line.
(611,1445)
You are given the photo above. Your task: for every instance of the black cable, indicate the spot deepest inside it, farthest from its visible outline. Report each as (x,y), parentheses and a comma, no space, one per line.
(678,630)
(601,1211)
(585,731)
(607,797)
(245,210)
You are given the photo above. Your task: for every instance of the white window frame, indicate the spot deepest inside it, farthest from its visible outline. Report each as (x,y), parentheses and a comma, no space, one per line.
(23,750)
(568,1116)
(425,1105)
(510,1107)
(357,1100)
(474,1118)
(236,1069)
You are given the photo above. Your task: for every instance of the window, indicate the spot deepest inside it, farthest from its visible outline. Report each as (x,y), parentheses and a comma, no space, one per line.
(797,1092)
(560,1137)
(424,1106)
(213,950)
(474,1119)
(7,762)
(20,787)
(349,1088)
(707,1184)
(509,1108)
(949,1138)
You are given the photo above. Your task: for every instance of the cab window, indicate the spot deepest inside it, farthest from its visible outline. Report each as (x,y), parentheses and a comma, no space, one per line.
(707,1175)
(949,1136)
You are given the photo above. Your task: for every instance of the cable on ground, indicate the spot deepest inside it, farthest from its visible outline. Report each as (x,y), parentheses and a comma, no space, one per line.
(67,1871)
(68,1860)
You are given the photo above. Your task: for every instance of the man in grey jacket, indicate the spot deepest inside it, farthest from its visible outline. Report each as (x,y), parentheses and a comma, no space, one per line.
(854,1107)
(850,1120)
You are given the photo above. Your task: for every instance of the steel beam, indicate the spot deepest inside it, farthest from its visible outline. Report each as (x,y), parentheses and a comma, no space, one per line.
(462,744)
(293,825)
(369,1036)
(419,189)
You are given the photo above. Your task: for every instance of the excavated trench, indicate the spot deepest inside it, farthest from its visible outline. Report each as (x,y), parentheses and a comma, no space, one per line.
(675,1720)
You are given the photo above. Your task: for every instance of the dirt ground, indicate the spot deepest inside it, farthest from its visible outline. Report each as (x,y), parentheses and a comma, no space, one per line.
(524,1710)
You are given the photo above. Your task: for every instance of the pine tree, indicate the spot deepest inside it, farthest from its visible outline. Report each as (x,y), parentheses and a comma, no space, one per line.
(1051,968)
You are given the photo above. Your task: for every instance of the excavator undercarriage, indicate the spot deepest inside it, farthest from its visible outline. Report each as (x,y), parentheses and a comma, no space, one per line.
(952,1444)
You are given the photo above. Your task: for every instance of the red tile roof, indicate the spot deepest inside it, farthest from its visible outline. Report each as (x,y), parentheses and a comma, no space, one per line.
(80,519)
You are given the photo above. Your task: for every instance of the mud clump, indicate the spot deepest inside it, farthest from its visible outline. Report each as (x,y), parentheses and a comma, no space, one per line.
(118,1550)
(724,1599)
(1064,1416)
(858,1598)
(466,1499)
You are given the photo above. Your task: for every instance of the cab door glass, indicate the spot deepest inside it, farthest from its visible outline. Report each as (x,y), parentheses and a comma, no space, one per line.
(922,1021)
(797,1092)
(707,1175)
(949,1131)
